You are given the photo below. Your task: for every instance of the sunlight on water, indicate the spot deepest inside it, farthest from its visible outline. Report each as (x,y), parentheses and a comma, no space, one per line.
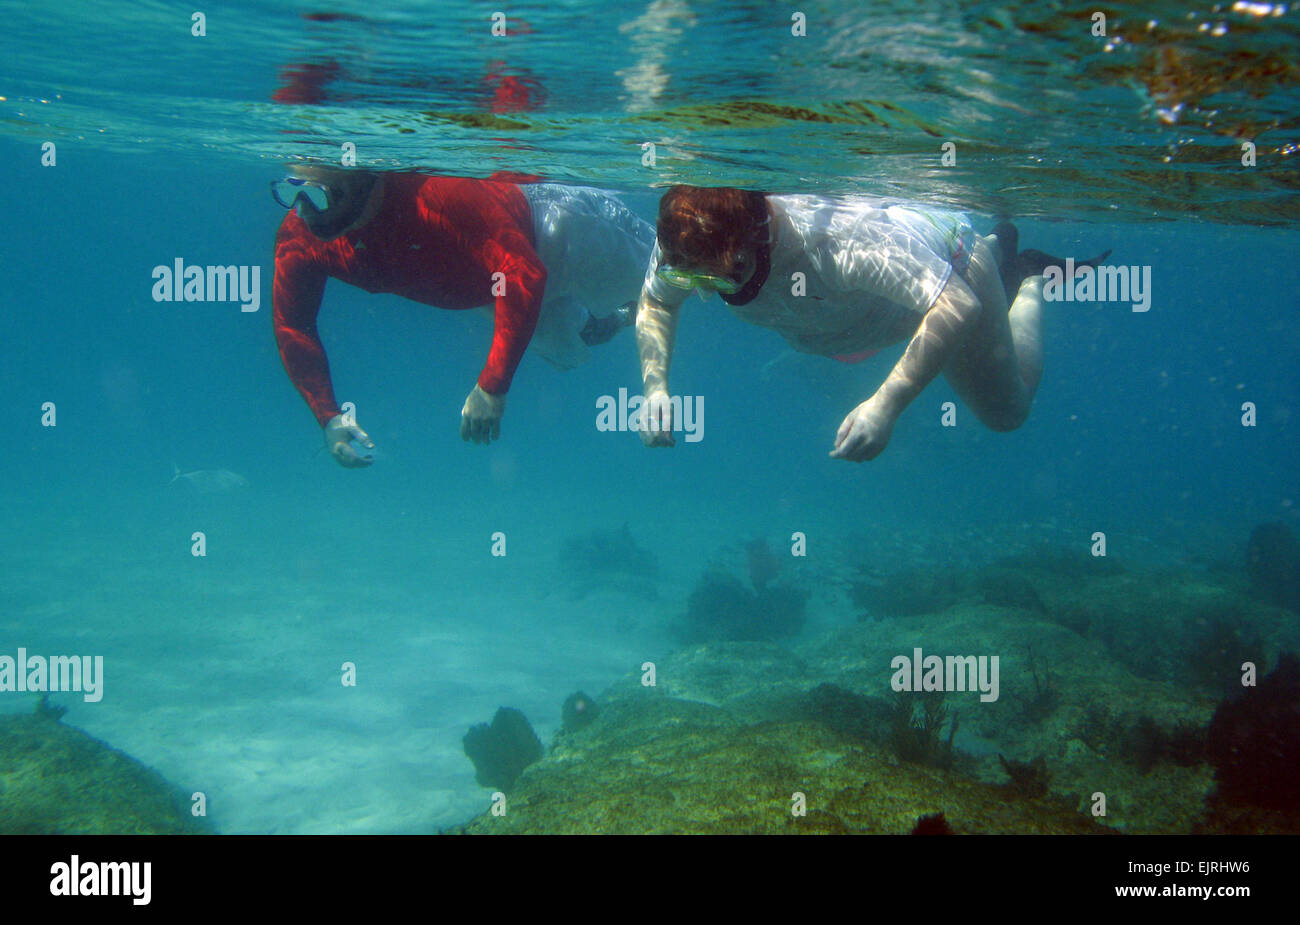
(1144,121)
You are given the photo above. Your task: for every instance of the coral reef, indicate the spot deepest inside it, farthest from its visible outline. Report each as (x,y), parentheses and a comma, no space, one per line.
(578,712)
(1028,779)
(49,710)
(501,751)
(1217,647)
(1113,693)
(846,713)
(56,780)
(1254,742)
(656,764)
(933,824)
(1043,700)
(764,565)
(1069,564)
(906,593)
(1202,624)
(608,560)
(1005,587)
(1273,564)
(1096,728)
(1146,744)
(917,729)
(722,608)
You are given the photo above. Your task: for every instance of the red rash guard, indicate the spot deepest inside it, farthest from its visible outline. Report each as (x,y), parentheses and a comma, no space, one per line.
(434,240)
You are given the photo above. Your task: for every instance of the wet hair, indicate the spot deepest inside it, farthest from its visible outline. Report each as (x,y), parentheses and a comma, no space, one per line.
(710,226)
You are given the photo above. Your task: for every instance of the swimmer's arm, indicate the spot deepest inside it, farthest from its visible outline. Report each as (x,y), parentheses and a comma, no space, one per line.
(516,310)
(656,332)
(931,347)
(865,432)
(656,329)
(296,294)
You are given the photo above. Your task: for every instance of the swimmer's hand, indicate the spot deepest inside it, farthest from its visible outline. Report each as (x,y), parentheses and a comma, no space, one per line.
(480,419)
(865,432)
(657,420)
(340,431)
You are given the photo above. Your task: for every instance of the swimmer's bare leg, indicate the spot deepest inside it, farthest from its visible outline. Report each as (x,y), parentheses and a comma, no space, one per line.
(997,367)
(1026,317)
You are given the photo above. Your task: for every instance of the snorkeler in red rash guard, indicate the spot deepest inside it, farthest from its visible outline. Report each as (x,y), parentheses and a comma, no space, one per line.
(557,266)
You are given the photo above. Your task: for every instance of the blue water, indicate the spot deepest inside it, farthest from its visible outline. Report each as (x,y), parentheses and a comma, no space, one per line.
(223,672)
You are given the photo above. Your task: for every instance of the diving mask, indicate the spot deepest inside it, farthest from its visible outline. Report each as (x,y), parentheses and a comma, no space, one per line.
(290,190)
(685,279)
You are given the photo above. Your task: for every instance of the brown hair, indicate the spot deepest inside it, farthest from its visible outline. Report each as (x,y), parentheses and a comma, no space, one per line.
(710,226)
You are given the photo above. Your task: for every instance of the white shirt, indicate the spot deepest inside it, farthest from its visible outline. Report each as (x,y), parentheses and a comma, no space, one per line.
(871,269)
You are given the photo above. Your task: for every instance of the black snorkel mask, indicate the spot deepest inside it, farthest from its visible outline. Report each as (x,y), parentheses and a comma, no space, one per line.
(762,266)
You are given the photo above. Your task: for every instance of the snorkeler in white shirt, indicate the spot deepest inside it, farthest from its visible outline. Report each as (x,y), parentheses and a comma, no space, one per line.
(844,277)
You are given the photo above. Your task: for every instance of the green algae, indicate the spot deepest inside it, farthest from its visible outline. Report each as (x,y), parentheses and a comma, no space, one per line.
(1095,689)
(56,780)
(653,764)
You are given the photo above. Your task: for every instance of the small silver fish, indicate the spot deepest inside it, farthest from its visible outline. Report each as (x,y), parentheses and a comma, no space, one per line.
(209,481)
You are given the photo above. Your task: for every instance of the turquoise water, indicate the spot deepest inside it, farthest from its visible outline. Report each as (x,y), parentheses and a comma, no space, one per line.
(223,672)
